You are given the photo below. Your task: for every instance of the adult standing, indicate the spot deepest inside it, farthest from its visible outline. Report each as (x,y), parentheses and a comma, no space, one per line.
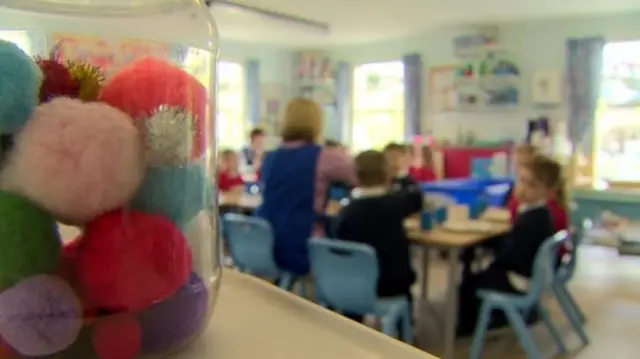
(295,179)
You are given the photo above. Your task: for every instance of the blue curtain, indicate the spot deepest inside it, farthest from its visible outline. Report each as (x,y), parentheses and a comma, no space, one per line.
(584,68)
(412,94)
(343,101)
(253,92)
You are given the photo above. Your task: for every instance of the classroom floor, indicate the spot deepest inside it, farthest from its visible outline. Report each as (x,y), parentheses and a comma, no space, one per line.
(607,287)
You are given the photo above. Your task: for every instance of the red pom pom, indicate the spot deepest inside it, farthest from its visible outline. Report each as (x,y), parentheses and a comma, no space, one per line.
(129,260)
(57,81)
(68,272)
(118,337)
(142,87)
(68,255)
(5,351)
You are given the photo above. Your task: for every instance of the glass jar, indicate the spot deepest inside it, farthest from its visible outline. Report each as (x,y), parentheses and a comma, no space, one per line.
(109,239)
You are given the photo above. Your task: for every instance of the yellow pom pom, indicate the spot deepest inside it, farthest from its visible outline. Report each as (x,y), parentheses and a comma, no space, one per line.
(89,78)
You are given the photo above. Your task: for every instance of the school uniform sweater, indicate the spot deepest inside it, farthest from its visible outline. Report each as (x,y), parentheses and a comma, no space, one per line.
(404,183)
(376,218)
(530,229)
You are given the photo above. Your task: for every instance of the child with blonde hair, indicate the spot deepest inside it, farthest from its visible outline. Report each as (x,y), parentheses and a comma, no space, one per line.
(425,169)
(512,267)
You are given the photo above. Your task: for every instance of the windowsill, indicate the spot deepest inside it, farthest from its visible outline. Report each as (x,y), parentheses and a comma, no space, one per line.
(625,195)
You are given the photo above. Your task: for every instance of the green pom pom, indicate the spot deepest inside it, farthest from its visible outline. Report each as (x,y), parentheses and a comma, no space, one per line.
(29,240)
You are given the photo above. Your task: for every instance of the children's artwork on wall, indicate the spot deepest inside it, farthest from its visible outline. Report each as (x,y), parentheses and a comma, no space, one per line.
(273,97)
(474,44)
(488,81)
(547,87)
(442,95)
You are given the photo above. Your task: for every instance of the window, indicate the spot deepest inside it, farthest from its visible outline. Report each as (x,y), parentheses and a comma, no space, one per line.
(378,105)
(20,38)
(617,127)
(231,114)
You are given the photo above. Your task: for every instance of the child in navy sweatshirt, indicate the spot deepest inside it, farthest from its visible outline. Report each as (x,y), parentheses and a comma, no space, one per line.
(375,216)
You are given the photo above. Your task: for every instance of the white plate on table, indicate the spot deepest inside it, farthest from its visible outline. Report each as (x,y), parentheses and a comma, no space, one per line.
(468,226)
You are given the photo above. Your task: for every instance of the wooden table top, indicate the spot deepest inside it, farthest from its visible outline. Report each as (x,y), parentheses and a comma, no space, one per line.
(240,199)
(441,237)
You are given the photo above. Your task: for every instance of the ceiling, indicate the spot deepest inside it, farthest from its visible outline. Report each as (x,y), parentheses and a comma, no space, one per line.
(357,21)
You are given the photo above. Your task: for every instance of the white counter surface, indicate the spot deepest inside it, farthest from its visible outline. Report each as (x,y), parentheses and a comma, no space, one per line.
(254,319)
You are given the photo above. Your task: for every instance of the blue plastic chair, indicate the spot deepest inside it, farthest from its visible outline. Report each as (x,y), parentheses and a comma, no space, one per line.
(564,275)
(515,306)
(250,241)
(346,276)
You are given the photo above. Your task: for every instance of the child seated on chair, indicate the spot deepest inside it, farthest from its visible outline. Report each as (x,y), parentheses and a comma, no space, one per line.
(229,178)
(375,216)
(399,166)
(423,170)
(511,268)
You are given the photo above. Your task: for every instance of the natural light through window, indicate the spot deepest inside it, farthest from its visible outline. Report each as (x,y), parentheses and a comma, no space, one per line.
(617,128)
(20,38)
(378,105)
(231,118)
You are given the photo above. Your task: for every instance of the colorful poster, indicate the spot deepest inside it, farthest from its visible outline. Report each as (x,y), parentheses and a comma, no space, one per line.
(110,55)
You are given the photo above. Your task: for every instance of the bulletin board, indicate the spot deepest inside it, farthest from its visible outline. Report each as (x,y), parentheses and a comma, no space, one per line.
(273,97)
(110,55)
(441,89)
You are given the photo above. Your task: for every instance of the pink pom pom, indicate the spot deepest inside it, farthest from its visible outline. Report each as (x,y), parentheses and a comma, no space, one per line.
(77,160)
(141,88)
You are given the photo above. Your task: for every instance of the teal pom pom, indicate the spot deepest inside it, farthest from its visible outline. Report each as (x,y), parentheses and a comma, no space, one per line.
(179,193)
(20,80)
(29,240)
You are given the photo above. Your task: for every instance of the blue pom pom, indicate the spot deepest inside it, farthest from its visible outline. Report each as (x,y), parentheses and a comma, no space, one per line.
(20,80)
(179,193)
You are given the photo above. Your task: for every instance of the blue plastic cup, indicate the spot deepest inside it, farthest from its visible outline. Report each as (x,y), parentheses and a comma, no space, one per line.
(477,208)
(426,221)
(441,215)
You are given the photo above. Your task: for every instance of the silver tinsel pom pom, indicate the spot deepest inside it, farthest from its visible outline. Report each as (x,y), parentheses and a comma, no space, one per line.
(169,132)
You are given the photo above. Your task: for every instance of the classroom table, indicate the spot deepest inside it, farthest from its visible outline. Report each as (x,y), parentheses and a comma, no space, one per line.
(453,243)
(253,316)
(242,200)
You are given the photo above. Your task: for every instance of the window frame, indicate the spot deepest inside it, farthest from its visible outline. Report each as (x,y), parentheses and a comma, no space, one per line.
(25,39)
(358,111)
(237,110)
(593,169)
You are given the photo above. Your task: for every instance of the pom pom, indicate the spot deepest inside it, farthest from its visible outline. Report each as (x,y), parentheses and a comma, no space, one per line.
(178,193)
(89,79)
(168,324)
(29,240)
(5,351)
(57,81)
(141,88)
(129,260)
(66,268)
(76,160)
(117,337)
(169,134)
(40,316)
(82,347)
(20,81)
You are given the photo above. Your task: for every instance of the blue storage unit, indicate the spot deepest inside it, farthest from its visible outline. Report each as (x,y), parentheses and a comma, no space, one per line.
(469,191)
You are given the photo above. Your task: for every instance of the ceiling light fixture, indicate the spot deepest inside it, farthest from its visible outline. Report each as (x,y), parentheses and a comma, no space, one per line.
(275,15)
